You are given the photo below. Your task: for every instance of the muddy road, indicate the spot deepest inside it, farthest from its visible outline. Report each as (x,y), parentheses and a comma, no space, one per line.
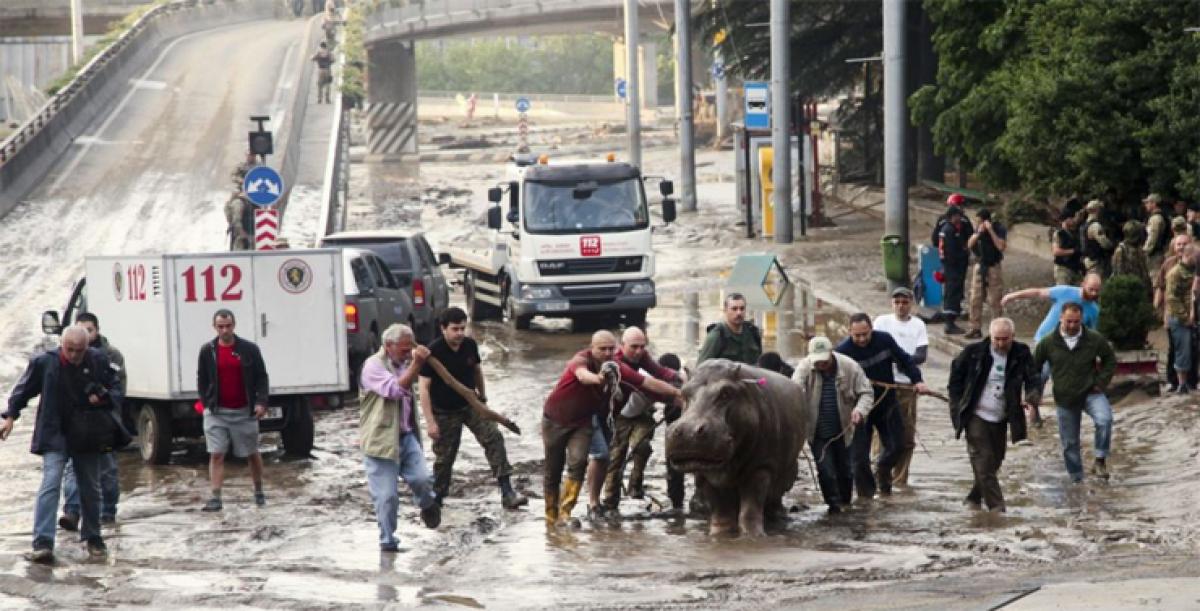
(315,543)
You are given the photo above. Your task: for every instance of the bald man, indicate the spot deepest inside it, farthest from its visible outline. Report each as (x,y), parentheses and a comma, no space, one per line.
(633,425)
(585,390)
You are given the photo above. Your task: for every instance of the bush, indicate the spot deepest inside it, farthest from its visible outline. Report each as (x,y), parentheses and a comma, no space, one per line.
(1126,315)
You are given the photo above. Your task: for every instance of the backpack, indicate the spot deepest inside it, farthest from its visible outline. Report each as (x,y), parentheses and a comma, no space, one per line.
(750,327)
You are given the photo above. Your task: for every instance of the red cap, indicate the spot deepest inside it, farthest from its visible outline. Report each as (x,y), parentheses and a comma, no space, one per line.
(955,199)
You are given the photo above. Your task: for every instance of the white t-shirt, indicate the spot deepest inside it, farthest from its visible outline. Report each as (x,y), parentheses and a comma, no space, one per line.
(1071,340)
(909,334)
(991,402)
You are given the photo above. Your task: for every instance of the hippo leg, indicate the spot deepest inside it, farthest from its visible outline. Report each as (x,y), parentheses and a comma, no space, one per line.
(753,493)
(722,515)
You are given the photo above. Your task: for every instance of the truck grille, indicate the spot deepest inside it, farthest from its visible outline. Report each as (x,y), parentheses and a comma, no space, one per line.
(591,294)
(591,265)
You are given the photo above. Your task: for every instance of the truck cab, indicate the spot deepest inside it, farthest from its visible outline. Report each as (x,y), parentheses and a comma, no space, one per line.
(573,240)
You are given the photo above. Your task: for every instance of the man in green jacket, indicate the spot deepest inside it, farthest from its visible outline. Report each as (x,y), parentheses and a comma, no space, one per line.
(734,338)
(1082,363)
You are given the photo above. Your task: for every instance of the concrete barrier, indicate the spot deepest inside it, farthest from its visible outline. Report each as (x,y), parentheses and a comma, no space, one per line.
(27,155)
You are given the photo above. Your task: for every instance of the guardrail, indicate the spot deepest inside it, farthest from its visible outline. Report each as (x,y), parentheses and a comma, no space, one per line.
(293,123)
(485,97)
(27,154)
(335,185)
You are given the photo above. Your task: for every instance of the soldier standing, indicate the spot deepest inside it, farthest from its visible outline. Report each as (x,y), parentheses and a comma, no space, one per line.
(324,60)
(1068,256)
(1096,244)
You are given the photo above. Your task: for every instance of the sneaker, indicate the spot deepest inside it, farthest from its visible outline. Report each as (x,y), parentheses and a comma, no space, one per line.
(213,504)
(1100,468)
(96,549)
(432,515)
(69,521)
(42,555)
(973,334)
(260,499)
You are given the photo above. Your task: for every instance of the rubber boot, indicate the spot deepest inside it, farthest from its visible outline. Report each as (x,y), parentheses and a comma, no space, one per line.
(509,497)
(570,495)
(551,509)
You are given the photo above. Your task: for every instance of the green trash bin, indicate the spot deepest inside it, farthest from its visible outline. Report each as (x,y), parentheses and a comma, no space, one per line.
(895,255)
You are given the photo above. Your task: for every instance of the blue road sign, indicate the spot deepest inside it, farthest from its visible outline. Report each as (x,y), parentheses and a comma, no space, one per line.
(718,69)
(758,104)
(263,186)
(621,92)
(523,104)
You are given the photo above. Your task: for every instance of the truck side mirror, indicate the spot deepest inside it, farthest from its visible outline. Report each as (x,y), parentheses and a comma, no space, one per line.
(443,258)
(666,187)
(668,210)
(493,217)
(50,323)
(513,216)
(494,195)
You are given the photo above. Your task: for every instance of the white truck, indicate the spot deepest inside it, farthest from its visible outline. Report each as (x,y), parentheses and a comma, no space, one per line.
(579,245)
(158,310)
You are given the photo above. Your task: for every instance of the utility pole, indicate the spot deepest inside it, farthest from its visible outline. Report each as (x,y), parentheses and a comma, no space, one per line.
(895,128)
(633,116)
(76,31)
(683,97)
(722,92)
(781,124)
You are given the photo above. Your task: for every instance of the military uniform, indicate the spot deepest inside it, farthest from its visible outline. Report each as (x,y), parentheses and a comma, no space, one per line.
(1158,236)
(1068,269)
(1096,244)
(237,210)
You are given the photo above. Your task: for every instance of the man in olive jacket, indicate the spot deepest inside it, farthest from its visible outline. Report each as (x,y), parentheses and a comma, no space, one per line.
(1082,363)
(986,383)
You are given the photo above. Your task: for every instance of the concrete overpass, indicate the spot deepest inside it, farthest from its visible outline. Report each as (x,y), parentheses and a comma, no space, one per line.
(391,32)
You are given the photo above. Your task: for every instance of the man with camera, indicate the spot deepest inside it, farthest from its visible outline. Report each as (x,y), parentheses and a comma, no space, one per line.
(75,420)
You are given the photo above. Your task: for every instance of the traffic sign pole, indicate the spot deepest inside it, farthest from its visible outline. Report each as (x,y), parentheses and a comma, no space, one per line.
(523,105)
(266,228)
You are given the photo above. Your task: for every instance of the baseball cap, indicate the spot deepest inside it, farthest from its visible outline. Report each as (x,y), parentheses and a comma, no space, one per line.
(955,199)
(902,291)
(819,348)
(1095,204)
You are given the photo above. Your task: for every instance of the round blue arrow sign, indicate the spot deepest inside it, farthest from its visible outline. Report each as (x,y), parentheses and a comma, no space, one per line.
(263,186)
(523,104)
(621,91)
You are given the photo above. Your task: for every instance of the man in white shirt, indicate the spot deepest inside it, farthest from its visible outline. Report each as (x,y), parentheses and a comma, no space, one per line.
(909,333)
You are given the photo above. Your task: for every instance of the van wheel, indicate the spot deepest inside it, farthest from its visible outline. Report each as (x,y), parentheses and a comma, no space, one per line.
(297,433)
(154,434)
(519,323)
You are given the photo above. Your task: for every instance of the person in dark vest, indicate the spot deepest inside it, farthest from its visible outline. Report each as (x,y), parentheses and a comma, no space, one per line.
(324,61)
(987,276)
(1158,233)
(1068,255)
(1097,247)
(952,248)
(75,421)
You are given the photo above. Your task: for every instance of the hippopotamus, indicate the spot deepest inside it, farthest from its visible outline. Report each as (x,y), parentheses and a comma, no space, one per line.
(741,434)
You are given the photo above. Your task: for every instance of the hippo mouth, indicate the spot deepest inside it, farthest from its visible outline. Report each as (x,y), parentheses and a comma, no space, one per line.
(693,462)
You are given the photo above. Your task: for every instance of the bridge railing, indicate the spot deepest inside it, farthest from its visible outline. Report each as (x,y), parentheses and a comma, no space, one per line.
(335,185)
(415,15)
(487,96)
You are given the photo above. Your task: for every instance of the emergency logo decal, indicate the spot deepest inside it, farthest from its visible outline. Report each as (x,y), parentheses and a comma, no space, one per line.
(589,246)
(295,276)
(118,282)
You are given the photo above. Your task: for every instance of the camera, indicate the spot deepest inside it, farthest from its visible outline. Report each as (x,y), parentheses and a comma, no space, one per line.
(95,388)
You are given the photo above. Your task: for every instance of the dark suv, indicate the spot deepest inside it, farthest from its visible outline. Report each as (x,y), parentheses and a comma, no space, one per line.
(414,265)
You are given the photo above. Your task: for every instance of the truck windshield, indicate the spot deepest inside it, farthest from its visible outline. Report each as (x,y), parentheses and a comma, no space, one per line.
(572,207)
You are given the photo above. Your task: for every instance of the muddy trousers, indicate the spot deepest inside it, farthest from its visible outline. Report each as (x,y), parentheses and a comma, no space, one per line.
(833,470)
(445,447)
(985,282)
(884,419)
(565,447)
(383,482)
(110,487)
(45,510)
(906,398)
(986,444)
(1069,420)
(630,436)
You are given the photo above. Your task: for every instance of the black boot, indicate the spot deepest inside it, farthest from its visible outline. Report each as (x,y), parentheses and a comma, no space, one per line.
(951,328)
(509,498)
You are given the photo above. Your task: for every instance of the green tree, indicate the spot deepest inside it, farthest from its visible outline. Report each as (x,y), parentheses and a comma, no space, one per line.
(548,64)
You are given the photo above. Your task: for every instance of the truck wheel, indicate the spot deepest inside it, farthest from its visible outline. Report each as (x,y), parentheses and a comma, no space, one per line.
(635,318)
(154,434)
(297,433)
(477,309)
(519,323)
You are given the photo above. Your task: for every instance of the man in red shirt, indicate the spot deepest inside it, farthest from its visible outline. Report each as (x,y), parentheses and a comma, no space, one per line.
(584,390)
(232,381)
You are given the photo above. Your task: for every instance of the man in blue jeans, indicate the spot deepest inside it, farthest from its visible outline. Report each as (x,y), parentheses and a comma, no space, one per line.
(1082,363)
(391,441)
(74,421)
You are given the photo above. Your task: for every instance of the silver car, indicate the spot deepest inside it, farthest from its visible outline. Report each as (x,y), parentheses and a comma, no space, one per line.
(374,300)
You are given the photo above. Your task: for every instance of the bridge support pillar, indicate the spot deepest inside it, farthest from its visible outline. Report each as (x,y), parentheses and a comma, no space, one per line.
(647,67)
(391,101)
